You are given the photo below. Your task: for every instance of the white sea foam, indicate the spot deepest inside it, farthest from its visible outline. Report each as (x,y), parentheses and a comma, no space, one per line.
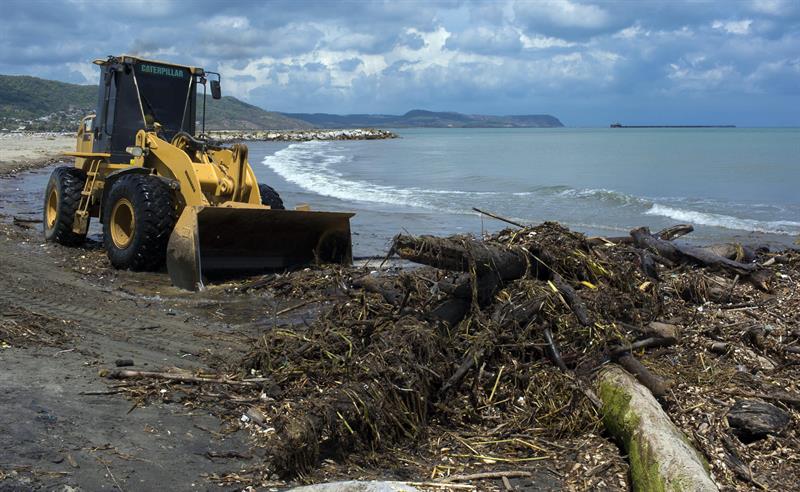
(312,167)
(786,227)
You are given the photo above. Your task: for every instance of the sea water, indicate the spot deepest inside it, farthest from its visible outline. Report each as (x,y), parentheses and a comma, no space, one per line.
(731,184)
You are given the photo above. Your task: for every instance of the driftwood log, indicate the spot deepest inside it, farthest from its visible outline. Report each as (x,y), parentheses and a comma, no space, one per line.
(492,264)
(668,234)
(462,255)
(181,378)
(660,455)
(654,383)
(643,239)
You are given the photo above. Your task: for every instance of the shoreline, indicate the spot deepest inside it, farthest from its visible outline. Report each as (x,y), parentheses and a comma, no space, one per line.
(25,151)
(301,135)
(20,152)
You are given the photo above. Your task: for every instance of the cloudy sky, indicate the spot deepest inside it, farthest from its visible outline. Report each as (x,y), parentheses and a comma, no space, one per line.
(586,62)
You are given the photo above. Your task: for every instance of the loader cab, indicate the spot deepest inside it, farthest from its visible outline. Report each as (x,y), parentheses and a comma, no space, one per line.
(134,94)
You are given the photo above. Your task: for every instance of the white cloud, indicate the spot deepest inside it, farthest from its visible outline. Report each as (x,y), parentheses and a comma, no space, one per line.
(317,56)
(694,73)
(733,27)
(223,22)
(632,32)
(543,42)
(565,13)
(782,76)
(483,39)
(88,71)
(772,7)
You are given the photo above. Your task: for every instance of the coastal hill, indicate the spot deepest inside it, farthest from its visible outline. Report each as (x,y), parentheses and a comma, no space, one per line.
(429,119)
(35,104)
(39,104)
(48,105)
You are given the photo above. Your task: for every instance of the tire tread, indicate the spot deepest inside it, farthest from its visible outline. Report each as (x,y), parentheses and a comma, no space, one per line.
(70,181)
(270,197)
(155,214)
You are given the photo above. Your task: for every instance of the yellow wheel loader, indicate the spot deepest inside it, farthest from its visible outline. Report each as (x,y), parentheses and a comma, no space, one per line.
(163,192)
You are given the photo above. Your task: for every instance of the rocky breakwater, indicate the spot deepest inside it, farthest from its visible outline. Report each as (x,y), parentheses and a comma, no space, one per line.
(302,135)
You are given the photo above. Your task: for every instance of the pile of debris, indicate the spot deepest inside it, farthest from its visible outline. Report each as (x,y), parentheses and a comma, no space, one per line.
(494,346)
(21,328)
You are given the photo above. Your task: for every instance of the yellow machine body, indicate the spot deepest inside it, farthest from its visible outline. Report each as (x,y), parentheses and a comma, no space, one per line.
(222,226)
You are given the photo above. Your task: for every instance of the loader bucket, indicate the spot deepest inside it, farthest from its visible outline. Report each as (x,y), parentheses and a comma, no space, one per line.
(220,242)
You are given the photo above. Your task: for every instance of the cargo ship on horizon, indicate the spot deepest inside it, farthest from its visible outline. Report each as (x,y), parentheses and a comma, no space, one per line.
(620,125)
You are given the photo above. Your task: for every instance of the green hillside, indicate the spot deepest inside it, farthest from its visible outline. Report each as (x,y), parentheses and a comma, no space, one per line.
(47,105)
(230,113)
(39,104)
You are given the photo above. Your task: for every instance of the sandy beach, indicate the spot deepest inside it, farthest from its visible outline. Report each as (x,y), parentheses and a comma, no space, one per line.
(22,151)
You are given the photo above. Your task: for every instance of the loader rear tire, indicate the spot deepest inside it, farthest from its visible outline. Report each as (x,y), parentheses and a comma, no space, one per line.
(270,197)
(61,199)
(138,218)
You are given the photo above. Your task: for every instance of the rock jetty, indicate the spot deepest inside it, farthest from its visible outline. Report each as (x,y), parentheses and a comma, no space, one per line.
(301,135)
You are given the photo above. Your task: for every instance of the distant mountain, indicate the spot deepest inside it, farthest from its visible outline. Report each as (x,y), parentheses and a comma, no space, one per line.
(47,105)
(430,119)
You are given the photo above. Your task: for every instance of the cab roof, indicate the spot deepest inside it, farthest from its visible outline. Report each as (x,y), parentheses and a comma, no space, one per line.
(130,58)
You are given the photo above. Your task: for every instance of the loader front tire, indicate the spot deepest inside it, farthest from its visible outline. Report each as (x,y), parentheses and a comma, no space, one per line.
(61,199)
(270,197)
(138,218)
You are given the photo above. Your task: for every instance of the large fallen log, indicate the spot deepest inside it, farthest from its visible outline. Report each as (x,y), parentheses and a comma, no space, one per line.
(674,232)
(491,263)
(660,455)
(462,254)
(643,239)
(668,234)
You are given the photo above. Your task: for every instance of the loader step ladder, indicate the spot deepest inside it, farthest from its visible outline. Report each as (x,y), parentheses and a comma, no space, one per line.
(80,224)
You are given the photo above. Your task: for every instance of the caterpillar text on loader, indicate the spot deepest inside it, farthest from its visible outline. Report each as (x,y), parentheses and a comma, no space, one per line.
(162,192)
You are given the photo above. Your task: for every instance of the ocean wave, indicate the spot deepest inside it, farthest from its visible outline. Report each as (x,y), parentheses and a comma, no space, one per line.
(605,195)
(311,166)
(785,227)
(598,194)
